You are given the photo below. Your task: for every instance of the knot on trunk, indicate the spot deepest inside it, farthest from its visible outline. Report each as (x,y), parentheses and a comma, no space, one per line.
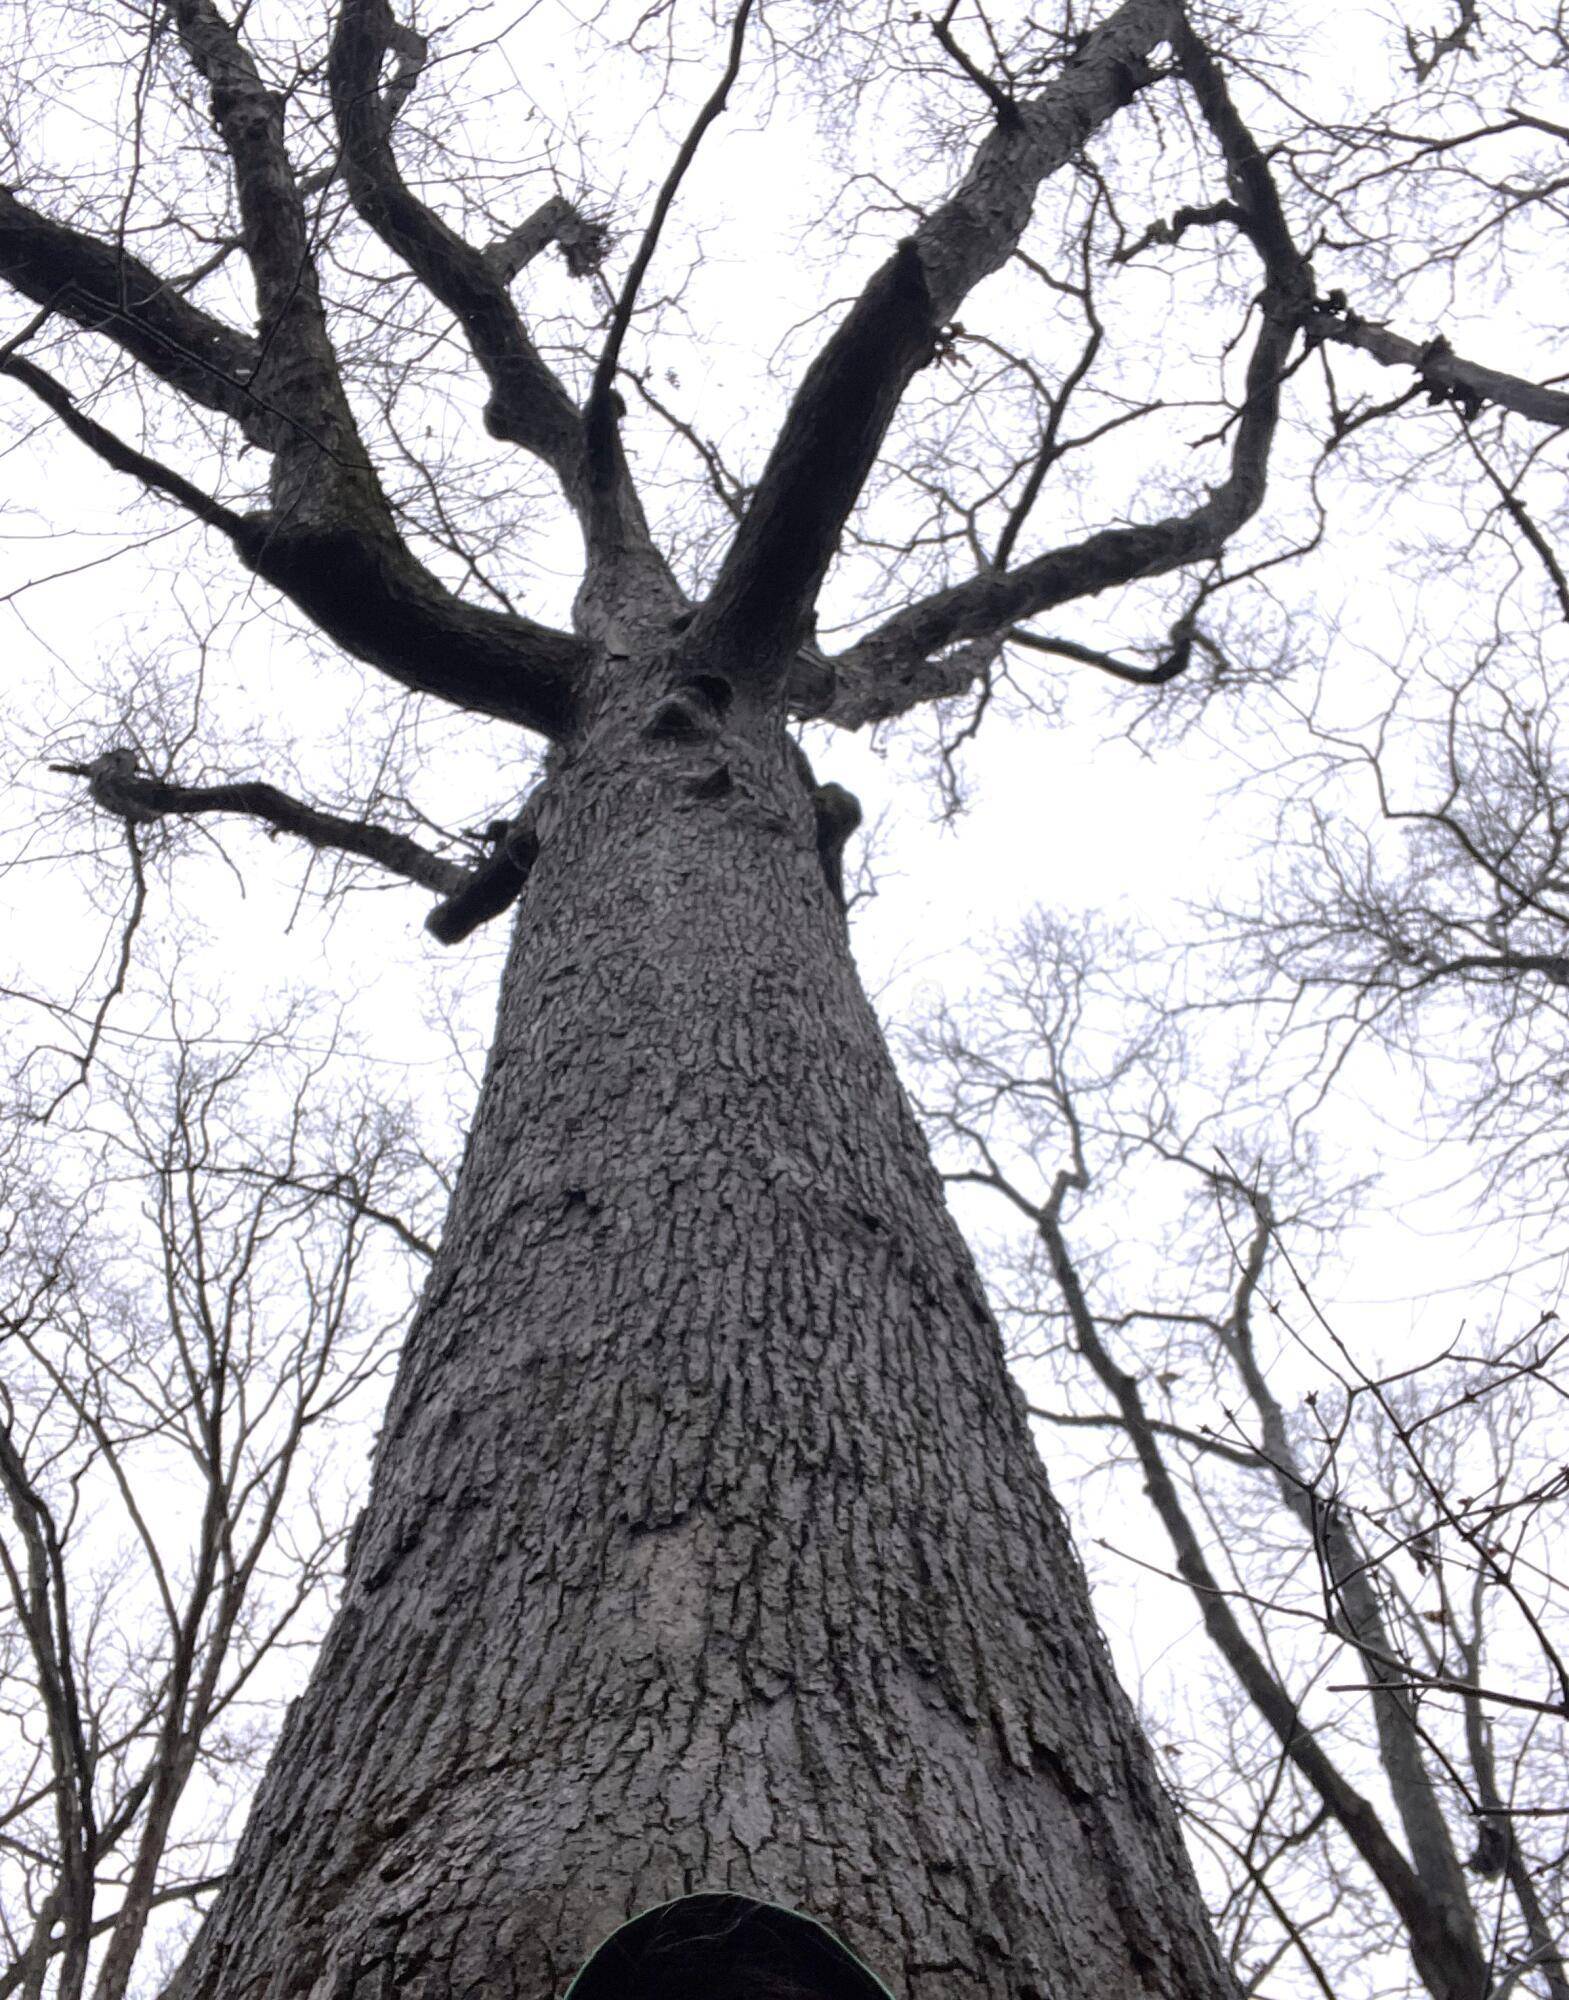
(493,887)
(837,813)
(691,712)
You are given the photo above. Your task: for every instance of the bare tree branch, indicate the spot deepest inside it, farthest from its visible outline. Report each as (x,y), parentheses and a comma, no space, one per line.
(528,406)
(368,593)
(121,789)
(581,240)
(1447,376)
(837,420)
(329,543)
(471,896)
(120,456)
(890,669)
(599,413)
(1446,1959)
(320,472)
(103,289)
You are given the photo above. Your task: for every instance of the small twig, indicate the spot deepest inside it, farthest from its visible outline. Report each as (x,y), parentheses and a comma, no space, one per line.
(1175,663)
(1437,1684)
(598,414)
(1001,102)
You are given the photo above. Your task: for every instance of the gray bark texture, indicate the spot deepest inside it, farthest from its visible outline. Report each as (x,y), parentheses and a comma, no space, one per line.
(708,1546)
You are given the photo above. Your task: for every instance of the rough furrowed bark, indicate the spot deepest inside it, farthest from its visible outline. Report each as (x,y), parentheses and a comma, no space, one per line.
(708,1547)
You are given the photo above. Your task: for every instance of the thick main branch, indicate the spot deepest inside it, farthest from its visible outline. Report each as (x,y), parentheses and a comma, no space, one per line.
(320,469)
(841,412)
(897,665)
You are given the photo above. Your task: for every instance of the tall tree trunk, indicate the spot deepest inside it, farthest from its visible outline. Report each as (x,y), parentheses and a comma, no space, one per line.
(708,1547)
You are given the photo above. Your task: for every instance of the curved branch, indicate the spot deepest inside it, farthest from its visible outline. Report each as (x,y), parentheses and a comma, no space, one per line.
(528,406)
(898,665)
(380,604)
(836,423)
(330,543)
(581,240)
(103,289)
(1174,664)
(1204,1441)
(119,788)
(365,590)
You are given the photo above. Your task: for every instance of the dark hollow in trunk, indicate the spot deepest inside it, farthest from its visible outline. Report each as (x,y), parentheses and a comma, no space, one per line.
(724,1948)
(708,1547)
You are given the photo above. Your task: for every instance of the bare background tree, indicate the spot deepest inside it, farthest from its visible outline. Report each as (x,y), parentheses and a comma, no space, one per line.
(1369,1541)
(1416,899)
(199,1313)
